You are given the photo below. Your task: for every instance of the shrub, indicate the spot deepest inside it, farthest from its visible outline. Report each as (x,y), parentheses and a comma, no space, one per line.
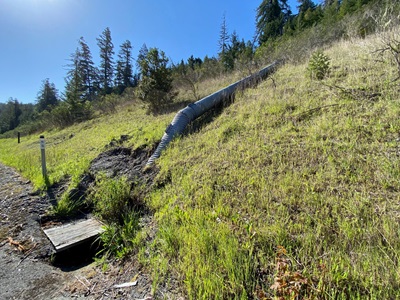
(318,66)
(107,104)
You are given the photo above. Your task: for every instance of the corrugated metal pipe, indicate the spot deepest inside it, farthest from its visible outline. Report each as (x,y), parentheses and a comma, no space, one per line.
(195,110)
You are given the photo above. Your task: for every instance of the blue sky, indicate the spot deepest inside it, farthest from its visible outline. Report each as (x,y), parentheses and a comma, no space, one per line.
(38,36)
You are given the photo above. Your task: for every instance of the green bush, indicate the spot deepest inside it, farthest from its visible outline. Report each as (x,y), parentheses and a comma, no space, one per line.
(107,104)
(318,66)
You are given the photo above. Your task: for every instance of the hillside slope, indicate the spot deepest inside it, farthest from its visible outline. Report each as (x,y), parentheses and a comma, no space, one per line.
(292,190)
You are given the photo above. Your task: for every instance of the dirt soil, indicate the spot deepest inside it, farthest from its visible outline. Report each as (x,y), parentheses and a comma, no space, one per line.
(27,269)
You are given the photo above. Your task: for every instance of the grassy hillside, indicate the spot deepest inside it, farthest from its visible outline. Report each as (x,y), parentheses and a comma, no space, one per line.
(292,191)
(296,183)
(69,151)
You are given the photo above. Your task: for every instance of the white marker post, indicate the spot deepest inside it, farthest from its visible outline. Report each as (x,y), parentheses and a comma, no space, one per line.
(43,152)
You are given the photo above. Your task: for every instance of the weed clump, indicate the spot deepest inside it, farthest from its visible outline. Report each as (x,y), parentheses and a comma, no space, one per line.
(66,206)
(111,198)
(120,240)
(287,284)
(113,201)
(318,66)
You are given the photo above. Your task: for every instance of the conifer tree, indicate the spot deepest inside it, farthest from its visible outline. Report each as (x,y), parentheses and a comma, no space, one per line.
(10,115)
(309,14)
(271,18)
(235,49)
(155,84)
(106,71)
(223,37)
(326,3)
(74,89)
(223,43)
(88,71)
(348,6)
(193,63)
(124,72)
(76,106)
(47,97)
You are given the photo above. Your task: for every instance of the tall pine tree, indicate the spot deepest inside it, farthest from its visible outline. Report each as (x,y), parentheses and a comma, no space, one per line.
(74,89)
(271,18)
(223,37)
(47,97)
(88,71)
(10,115)
(124,73)
(309,14)
(106,70)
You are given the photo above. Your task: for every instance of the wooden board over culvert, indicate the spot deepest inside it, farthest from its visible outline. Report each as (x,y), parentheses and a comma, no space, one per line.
(70,235)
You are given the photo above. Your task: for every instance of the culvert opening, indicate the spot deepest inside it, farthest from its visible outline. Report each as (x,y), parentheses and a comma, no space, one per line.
(78,256)
(114,163)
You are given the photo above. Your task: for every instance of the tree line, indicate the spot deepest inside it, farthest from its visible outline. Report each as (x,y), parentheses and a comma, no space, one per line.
(274,17)
(87,84)
(156,78)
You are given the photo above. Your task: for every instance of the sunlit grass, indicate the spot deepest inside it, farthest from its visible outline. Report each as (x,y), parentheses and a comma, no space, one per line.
(311,166)
(70,151)
(295,172)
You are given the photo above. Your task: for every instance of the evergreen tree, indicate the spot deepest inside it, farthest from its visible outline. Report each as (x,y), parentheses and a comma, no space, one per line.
(235,49)
(27,113)
(193,63)
(309,14)
(88,71)
(305,5)
(82,79)
(271,18)
(143,52)
(75,87)
(47,97)
(10,115)
(76,106)
(348,7)
(155,84)
(106,72)
(330,12)
(223,44)
(124,72)
(223,37)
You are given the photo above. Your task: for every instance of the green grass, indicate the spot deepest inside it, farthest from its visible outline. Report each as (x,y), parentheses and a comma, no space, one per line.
(70,151)
(296,182)
(312,167)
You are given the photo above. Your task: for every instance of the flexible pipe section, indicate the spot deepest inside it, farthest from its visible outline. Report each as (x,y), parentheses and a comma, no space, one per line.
(195,110)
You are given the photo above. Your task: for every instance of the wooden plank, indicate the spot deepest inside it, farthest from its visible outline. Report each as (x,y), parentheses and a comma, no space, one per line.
(69,235)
